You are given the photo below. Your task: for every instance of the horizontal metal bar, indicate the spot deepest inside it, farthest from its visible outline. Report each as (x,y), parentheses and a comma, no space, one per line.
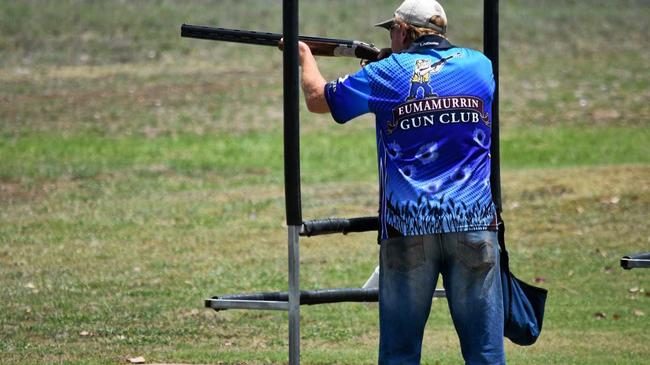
(338,225)
(219,304)
(440,293)
(323,296)
(310,297)
(628,263)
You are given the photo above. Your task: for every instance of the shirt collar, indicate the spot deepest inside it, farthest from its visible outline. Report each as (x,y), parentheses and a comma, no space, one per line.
(432,41)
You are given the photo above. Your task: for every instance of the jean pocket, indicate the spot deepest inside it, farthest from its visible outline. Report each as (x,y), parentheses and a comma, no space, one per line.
(404,253)
(476,250)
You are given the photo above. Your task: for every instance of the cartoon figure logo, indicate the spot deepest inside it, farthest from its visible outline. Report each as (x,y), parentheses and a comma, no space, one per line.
(422,75)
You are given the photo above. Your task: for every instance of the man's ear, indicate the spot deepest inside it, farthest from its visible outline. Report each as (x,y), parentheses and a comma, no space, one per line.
(404,36)
(402,32)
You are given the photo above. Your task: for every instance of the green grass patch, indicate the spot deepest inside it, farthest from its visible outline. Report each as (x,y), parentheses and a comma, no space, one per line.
(560,146)
(100,269)
(141,173)
(341,155)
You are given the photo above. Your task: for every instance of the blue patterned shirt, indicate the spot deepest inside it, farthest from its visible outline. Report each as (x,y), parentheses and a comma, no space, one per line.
(433,110)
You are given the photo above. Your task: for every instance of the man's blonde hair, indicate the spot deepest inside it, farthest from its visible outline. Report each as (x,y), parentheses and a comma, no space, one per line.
(416,32)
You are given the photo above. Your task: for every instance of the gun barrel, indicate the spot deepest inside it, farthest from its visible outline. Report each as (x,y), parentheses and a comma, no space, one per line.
(230,35)
(320,46)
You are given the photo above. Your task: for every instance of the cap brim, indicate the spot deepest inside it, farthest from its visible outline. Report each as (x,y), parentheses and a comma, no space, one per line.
(386,24)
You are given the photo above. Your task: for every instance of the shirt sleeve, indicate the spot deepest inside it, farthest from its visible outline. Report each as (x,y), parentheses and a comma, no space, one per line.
(348,96)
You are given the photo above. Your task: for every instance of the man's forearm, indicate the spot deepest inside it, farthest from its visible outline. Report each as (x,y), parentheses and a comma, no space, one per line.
(313,85)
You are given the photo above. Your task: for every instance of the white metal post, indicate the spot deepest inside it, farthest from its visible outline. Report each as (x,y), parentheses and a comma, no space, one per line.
(294,295)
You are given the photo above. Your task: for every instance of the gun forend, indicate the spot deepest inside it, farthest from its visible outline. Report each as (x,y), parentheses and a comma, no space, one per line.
(338,48)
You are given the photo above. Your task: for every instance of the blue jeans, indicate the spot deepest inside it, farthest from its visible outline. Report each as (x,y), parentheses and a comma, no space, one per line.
(409,268)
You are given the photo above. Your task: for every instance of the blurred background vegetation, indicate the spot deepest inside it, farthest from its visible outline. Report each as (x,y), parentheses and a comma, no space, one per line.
(141,173)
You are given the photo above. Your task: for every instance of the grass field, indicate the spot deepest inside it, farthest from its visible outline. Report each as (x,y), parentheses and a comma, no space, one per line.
(141,173)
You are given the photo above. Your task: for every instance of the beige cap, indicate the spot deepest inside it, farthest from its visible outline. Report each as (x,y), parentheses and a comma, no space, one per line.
(418,13)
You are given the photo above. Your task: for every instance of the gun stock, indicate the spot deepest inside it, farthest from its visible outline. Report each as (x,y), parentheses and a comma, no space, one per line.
(319,46)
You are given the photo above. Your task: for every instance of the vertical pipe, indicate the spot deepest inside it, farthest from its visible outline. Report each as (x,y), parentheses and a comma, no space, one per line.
(292,168)
(294,296)
(491,49)
(291,113)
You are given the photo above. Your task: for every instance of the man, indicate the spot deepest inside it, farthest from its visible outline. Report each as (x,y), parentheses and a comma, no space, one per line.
(432,103)
(420,79)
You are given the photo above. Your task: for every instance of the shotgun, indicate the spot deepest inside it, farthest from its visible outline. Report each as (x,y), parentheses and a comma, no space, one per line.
(319,46)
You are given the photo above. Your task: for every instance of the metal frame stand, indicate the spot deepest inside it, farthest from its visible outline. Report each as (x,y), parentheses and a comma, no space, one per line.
(296,227)
(294,295)
(636,261)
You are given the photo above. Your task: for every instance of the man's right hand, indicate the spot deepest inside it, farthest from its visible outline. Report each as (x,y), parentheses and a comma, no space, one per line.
(383,53)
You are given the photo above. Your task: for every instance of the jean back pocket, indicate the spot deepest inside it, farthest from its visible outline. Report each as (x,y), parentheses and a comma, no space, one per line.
(403,253)
(477,250)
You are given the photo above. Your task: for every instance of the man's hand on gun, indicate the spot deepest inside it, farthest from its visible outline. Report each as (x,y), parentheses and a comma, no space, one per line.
(383,53)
